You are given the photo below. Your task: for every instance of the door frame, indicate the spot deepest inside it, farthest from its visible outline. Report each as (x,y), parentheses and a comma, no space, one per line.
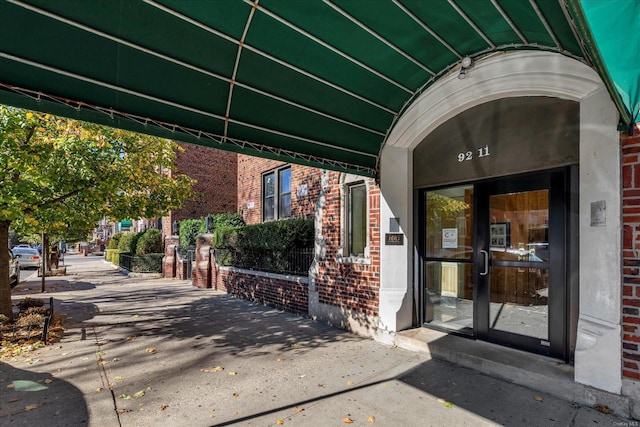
(558,183)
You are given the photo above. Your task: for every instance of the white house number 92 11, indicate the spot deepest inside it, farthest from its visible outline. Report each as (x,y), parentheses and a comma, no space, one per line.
(481,152)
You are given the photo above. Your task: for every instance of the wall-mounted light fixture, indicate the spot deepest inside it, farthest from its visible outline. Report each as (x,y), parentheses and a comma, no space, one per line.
(465,65)
(175,228)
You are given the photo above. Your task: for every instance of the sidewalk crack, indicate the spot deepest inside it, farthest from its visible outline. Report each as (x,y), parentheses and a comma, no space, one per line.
(104,375)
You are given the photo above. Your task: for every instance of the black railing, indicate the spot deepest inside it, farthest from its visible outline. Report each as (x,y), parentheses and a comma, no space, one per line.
(291,261)
(151,263)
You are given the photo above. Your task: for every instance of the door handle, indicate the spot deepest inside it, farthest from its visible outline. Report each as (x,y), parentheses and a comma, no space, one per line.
(486,262)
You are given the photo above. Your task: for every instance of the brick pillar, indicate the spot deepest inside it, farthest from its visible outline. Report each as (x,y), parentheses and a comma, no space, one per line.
(631,254)
(169,259)
(201,273)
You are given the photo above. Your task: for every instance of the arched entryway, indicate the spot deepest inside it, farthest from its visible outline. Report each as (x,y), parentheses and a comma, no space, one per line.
(512,75)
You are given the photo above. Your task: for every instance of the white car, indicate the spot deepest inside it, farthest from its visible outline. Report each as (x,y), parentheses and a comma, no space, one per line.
(27,257)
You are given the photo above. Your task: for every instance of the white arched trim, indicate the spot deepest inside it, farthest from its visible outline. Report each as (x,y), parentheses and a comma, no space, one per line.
(515,74)
(505,75)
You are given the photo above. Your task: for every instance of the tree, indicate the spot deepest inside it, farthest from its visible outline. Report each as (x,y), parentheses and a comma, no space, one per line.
(60,175)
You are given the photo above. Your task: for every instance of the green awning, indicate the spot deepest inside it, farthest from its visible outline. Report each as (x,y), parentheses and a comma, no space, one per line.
(611,30)
(312,82)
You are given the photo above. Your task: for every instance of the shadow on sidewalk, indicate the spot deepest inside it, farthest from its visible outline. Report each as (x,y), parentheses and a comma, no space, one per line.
(29,398)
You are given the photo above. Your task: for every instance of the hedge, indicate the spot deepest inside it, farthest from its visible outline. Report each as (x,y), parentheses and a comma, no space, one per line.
(191,228)
(273,235)
(150,242)
(115,239)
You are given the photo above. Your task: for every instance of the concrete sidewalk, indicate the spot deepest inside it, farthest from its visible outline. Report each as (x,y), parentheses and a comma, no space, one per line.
(149,352)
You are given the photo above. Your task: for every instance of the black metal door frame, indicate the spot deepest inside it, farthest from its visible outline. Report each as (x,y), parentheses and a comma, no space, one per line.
(557,182)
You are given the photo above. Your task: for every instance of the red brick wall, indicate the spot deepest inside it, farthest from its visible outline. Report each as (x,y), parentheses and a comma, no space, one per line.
(350,286)
(631,255)
(287,295)
(250,170)
(216,188)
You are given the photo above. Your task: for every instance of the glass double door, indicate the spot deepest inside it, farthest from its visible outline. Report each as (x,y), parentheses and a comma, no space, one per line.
(492,261)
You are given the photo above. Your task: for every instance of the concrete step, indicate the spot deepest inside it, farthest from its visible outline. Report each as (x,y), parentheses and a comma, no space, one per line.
(530,370)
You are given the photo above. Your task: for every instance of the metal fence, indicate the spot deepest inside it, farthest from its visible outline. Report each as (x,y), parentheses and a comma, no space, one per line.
(292,261)
(151,263)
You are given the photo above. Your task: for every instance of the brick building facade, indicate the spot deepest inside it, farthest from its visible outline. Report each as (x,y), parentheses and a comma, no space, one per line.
(304,186)
(630,255)
(215,172)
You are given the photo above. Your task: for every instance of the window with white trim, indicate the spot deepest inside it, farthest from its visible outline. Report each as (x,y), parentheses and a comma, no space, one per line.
(357,219)
(354,220)
(276,194)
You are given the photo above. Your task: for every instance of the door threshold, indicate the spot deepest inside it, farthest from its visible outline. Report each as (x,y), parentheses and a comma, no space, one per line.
(534,371)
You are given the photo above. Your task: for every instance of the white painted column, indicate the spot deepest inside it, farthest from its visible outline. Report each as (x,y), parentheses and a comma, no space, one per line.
(396,268)
(599,346)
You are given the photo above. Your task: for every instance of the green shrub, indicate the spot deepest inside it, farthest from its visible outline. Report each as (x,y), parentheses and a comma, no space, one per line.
(150,242)
(110,254)
(274,235)
(189,230)
(113,243)
(129,241)
(228,220)
(124,245)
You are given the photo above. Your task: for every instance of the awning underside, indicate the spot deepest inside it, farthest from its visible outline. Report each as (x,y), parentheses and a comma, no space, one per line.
(314,82)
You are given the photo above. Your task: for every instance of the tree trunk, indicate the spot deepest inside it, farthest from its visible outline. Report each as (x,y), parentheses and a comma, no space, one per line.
(5,287)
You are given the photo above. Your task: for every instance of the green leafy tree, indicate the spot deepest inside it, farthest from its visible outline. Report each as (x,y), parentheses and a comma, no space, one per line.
(60,175)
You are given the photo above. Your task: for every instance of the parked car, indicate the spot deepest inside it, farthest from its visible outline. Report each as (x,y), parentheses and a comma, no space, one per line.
(27,257)
(14,271)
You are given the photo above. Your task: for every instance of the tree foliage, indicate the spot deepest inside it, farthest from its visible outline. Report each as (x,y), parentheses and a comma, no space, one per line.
(60,174)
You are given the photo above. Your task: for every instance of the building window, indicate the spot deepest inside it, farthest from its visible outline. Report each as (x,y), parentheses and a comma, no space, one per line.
(357,219)
(276,194)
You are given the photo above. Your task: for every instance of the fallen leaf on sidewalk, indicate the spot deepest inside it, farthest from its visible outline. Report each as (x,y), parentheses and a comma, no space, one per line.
(164,406)
(347,420)
(117,378)
(279,422)
(32,406)
(603,408)
(48,381)
(235,395)
(124,396)
(298,409)
(371,419)
(139,394)
(99,390)
(349,383)
(538,398)
(130,338)
(233,373)
(124,410)
(216,369)
(151,350)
